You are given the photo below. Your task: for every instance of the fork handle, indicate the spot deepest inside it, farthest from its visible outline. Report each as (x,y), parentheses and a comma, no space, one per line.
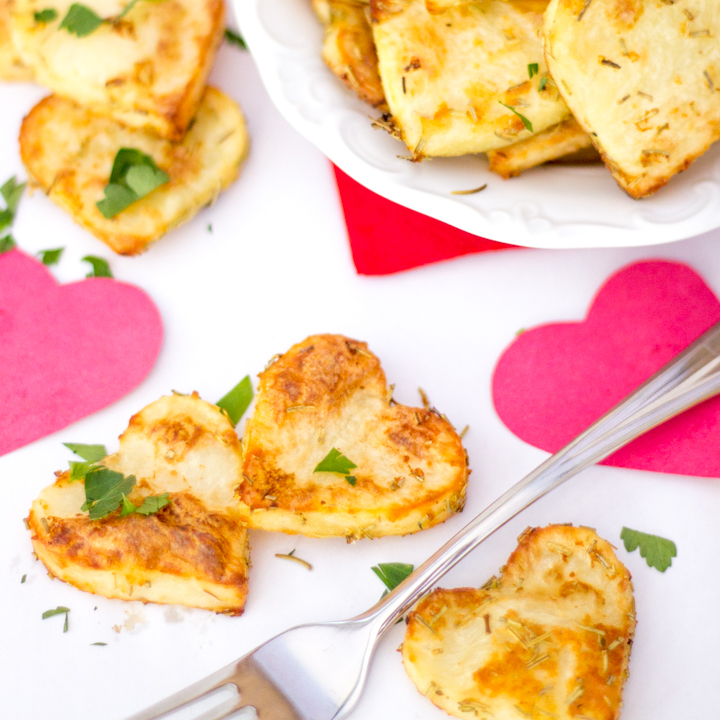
(688,379)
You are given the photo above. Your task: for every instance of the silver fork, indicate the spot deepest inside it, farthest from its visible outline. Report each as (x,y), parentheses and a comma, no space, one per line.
(317,672)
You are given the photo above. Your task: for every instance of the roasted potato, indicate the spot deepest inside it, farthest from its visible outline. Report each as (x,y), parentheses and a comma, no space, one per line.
(192,552)
(562,140)
(69,152)
(147,68)
(550,637)
(329,393)
(11,65)
(464,81)
(642,77)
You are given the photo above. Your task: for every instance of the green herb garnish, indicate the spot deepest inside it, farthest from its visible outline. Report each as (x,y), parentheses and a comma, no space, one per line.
(59,610)
(91,453)
(150,505)
(133,176)
(525,121)
(335,462)
(543,83)
(50,257)
(235,39)
(657,551)
(392,574)
(45,16)
(100,267)
(78,470)
(12,192)
(104,491)
(533,69)
(80,20)
(97,643)
(237,401)
(351,479)
(22,580)
(6,243)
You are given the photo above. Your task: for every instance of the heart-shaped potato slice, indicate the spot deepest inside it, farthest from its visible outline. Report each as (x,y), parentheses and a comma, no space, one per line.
(192,552)
(643,79)
(329,393)
(550,638)
(468,80)
(146,68)
(69,152)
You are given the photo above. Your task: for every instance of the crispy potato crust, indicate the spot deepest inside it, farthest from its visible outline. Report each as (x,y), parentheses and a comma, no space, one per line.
(349,49)
(330,392)
(449,77)
(69,152)
(550,638)
(643,79)
(11,65)
(193,552)
(556,142)
(147,69)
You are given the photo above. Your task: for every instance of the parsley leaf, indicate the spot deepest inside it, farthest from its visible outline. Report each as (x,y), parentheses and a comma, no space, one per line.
(12,192)
(104,491)
(80,20)
(23,579)
(657,551)
(91,453)
(351,479)
(45,16)
(100,267)
(98,643)
(335,462)
(59,610)
(237,401)
(392,574)
(50,257)
(543,83)
(131,5)
(150,505)
(133,176)
(533,69)
(525,121)
(6,243)
(78,470)
(235,39)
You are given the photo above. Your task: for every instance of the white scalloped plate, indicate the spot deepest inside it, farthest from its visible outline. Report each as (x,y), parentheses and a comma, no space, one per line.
(550,207)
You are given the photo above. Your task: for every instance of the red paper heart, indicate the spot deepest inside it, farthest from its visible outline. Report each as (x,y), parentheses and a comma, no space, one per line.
(555,380)
(67,351)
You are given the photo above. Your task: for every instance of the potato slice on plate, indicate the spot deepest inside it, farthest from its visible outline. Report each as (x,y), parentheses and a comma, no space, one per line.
(146,68)
(550,638)
(566,138)
(349,49)
(193,551)
(467,80)
(643,78)
(69,152)
(12,66)
(328,396)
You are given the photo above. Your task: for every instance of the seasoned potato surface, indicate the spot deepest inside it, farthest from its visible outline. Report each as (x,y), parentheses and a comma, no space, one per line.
(330,392)
(643,79)
(550,638)
(147,68)
(457,82)
(192,552)
(69,152)
(11,65)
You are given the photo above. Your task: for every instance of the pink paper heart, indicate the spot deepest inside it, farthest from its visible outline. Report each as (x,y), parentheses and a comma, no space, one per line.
(67,351)
(555,380)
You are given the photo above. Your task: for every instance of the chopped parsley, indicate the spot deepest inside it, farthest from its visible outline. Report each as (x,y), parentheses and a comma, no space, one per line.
(59,610)
(104,491)
(98,643)
(100,267)
(392,574)
(6,244)
(43,17)
(80,20)
(543,83)
(133,176)
(50,257)
(351,479)
(233,38)
(23,579)
(525,121)
(237,401)
(336,462)
(150,505)
(11,192)
(657,551)
(533,69)
(91,453)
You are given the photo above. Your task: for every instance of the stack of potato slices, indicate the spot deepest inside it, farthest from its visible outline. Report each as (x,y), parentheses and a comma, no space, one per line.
(127,75)
(532,81)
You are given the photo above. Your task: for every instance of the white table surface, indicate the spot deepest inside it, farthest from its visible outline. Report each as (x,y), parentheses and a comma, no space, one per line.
(276,268)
